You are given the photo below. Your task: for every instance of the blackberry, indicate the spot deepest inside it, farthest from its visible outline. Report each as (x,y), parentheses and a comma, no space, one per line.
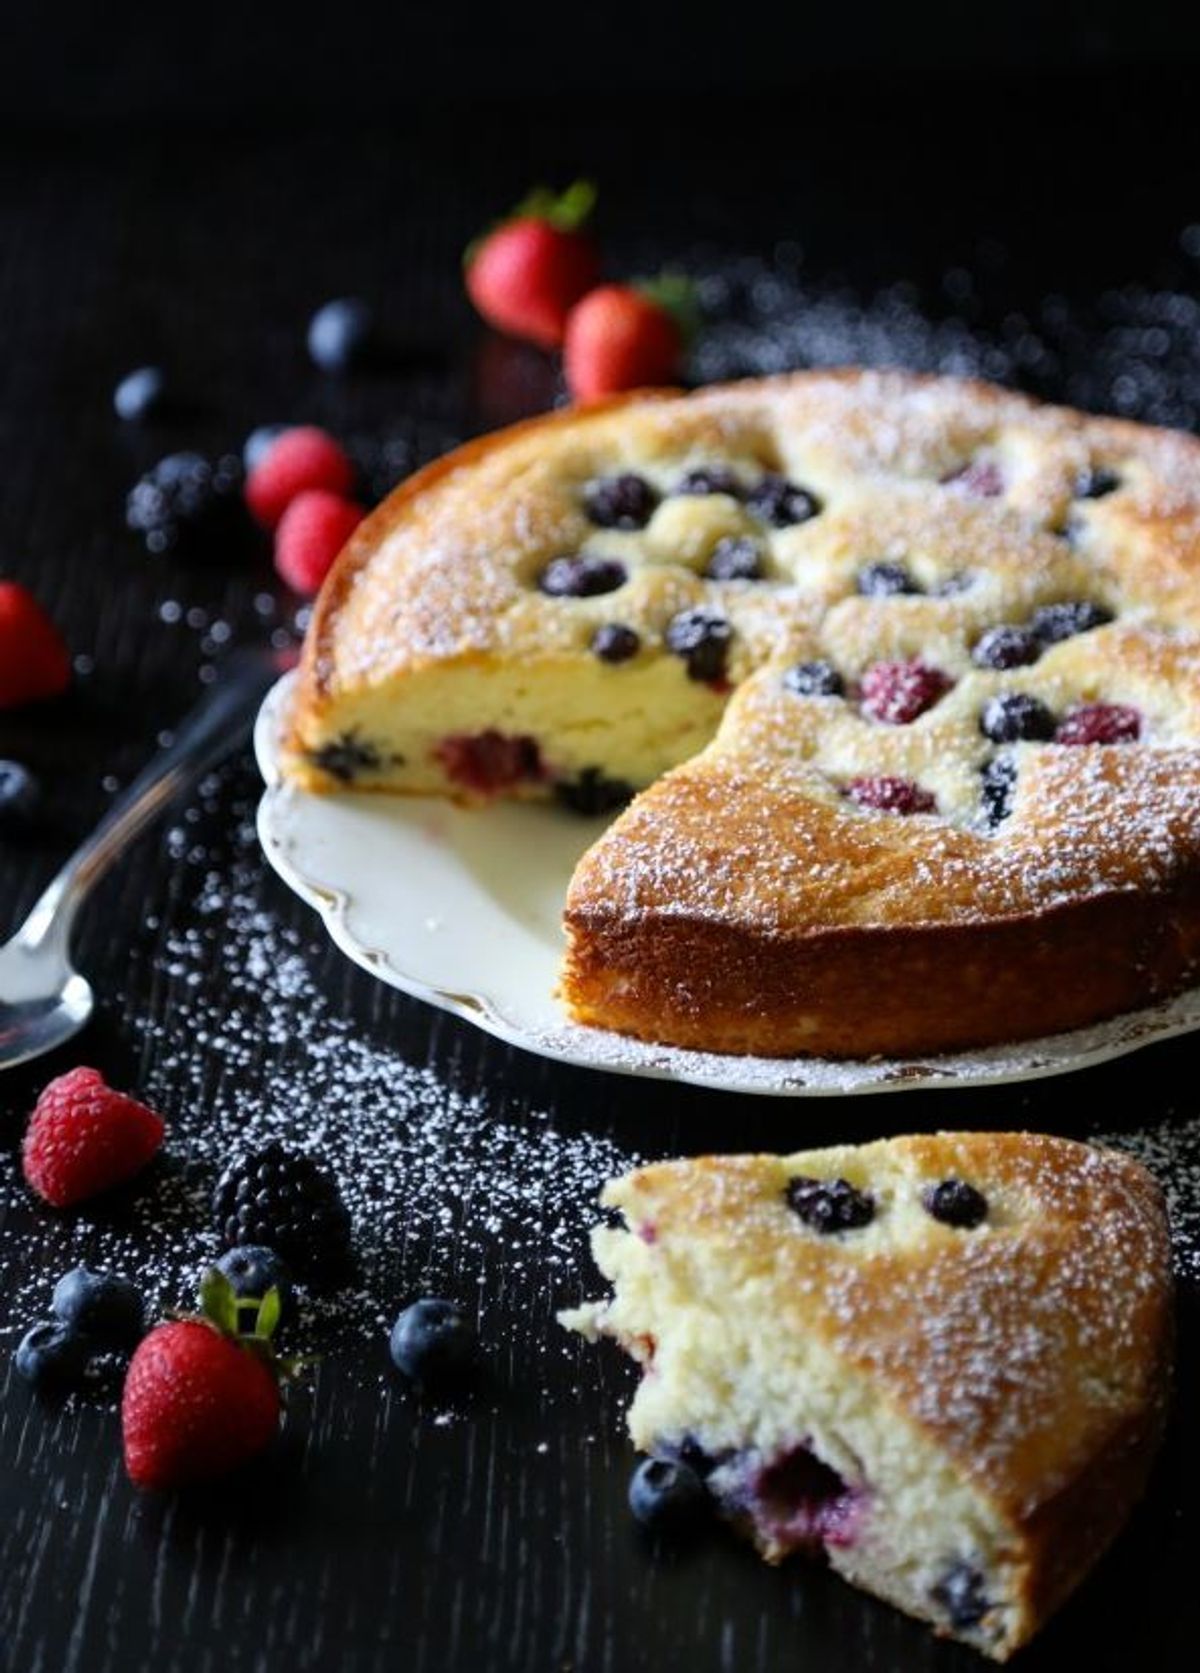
(829,1205)
(620,502)
(885,580)
(582,576)
(1015,715)
(702,640)
(781,503)
(709,479)
(614,642)
(735,559)
(285,1200)
(592,793)
(814,679)
(184,497)
(955,1203)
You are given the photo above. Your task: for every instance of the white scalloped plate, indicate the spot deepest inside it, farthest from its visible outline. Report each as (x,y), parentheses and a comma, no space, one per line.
(460,907)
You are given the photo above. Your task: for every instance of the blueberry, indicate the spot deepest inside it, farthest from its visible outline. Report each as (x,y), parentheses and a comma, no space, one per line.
(614,642)
(581,576)
(52,1356)
(781,503)
(140,394)
(100,1305)
(702,639)
(885,580)
(1094,484)
(592,793)
(667,1496)
(1015,716)
(259,442)
(1006,647)
(346,756)
(709,479)
(20,795)
(620,502)
(432,1340)
(997,784)
(735,559)
(814,679)
(956,1203)
(829,1205)
(253,1269)
(960,1593)
(339,334)
(1054,622)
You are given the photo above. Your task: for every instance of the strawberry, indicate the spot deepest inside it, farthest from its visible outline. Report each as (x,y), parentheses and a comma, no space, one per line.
(526,274)
(200,1399)
(84,1138)
(302,457)
(311,533)
(627,337)
(34,662)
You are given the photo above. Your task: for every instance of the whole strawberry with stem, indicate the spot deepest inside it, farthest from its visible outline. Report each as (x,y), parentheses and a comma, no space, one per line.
(628,337)
(202,1394)
(526,274)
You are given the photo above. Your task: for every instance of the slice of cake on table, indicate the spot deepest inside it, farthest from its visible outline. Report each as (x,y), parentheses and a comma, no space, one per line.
(942,1362)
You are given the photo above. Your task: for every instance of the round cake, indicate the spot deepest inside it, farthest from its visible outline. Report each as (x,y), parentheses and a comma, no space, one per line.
(905,670)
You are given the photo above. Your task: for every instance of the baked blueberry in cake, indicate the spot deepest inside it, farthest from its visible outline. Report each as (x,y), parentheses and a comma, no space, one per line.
(917,771)
(938,1363)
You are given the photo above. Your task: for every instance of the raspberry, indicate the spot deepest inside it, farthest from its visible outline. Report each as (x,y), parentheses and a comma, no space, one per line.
(285,1200)
(34,662)
(884,794)
(301,458)
(897,692)
(311,533)
(1100,723)
(84,1138)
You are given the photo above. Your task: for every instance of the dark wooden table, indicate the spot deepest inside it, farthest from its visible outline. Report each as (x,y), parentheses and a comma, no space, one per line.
(493,1535)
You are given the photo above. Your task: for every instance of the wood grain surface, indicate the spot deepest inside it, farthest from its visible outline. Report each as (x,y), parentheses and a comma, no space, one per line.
(379,1538)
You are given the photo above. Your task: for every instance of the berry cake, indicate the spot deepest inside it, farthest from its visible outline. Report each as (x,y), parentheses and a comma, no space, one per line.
(907,671)
(940,1362)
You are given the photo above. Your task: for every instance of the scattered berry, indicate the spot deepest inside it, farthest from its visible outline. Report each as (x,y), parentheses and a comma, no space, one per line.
(814,679)
(611,642)
(709,479)
(185,498)
(622,337)
(829,1205)
(592,793)
(432,1341)
(998,781)
(311,533)
(626,501)
(1100,723)
(1014,716)
(735,559)
(197,1403)
(259,443)
(896,693)
(140,394)
(340,333)
(252,1270)
(20,796)
(1094,484)
(702,639)
(100,1305)
(301,458)
(1055,622)
(885,580)
(956,1203)
(960,1593)
(84,1138)
(526,274)
(781,503)
(34,662)
(52,1356)
(884,794)
(581,576)
(1006,647)
(286,1200)
(667,1496)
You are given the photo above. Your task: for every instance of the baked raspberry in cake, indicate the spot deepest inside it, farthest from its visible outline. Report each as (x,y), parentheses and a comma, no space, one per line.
(938,1363)
(906,670)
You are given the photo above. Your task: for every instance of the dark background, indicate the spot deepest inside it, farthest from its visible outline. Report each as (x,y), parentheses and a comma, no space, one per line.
(186,189)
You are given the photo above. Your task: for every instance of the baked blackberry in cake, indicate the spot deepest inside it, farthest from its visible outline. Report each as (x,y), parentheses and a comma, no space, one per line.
(917,772)
(940,1364)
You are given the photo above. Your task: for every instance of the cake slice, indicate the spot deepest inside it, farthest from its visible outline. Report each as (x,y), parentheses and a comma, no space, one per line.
(941,1362)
